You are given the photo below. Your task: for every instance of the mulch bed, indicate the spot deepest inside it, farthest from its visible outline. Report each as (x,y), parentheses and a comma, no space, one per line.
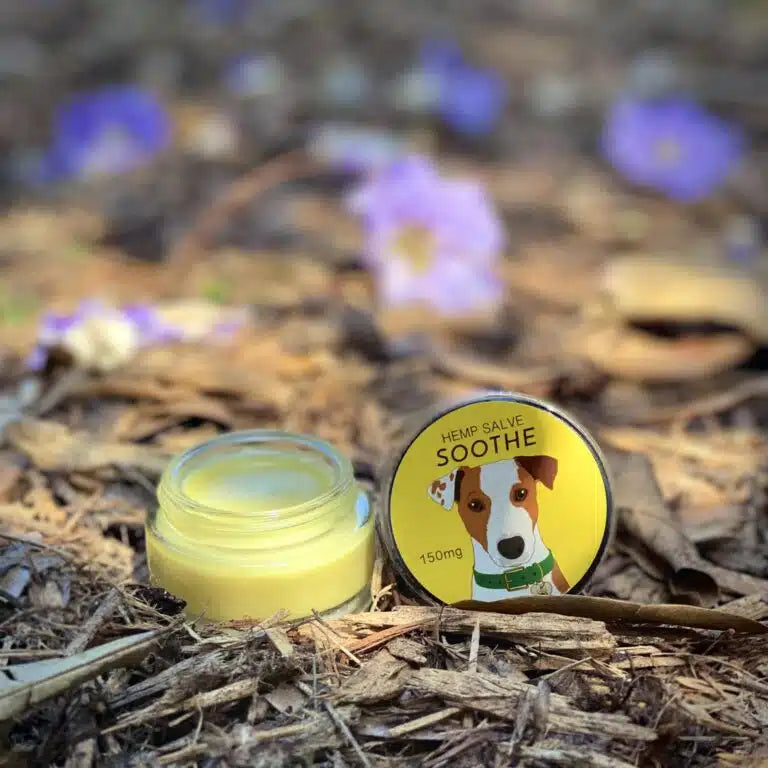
(403,684)
(669,667)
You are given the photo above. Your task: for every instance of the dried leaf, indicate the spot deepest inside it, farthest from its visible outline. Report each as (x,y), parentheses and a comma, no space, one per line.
(286,698)
(13,583)
(89,545)
(48,595)
(625,353)
(380,679)
(663,288)
(753,606)
(53,447)
(407,650)
(645,516)
(10,475)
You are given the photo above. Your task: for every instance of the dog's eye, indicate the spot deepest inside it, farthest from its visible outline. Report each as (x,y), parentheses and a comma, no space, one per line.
(520,494)
(476,505)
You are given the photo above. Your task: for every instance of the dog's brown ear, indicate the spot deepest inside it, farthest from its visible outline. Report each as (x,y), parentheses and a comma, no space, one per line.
(543,468)
(457,484)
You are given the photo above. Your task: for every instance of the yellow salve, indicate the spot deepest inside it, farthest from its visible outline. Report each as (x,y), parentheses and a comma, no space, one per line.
(253,523)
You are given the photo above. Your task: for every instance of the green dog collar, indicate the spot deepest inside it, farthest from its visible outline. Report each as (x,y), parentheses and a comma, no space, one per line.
(516,578)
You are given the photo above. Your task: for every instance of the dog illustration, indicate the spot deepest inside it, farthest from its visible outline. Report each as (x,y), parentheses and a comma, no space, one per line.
(498,506)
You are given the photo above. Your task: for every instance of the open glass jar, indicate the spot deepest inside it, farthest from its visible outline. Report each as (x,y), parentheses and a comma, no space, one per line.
(255,522)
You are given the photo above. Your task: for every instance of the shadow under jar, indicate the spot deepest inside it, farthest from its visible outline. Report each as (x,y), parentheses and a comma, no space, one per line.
(252,523)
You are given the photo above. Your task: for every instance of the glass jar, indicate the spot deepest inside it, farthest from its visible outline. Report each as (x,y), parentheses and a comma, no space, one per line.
(251,523)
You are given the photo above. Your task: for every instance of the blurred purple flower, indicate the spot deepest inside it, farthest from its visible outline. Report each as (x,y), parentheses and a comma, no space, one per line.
(430,240)
(99,336)
(150,325)
(354,148)
(108,131)
(471,99)
(224,13)
(251,75)
(93,330)
(672,145)
(743,238)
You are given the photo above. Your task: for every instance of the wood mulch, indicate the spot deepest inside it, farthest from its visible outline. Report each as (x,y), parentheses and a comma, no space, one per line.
(663,661)
(613,682)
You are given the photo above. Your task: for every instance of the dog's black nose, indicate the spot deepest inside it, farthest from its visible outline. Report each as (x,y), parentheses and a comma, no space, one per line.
(511,548)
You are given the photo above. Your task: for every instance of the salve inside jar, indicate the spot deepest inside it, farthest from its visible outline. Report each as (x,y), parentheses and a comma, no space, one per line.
(256,522)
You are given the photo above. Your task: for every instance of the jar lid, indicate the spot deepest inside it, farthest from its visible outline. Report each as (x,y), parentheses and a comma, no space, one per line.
(496,497)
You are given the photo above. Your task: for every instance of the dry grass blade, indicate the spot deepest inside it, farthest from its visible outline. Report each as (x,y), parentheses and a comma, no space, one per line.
(28,684)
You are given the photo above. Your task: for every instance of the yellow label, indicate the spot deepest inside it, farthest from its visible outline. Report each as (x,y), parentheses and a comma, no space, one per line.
(499,498)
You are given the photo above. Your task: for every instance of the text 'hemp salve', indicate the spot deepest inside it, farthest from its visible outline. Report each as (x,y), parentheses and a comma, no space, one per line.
(252,523)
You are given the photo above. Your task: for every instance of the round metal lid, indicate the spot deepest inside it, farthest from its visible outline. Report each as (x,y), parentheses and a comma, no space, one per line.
(497,497)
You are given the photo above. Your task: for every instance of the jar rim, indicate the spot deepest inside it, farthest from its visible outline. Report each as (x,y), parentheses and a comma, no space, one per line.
(170,487)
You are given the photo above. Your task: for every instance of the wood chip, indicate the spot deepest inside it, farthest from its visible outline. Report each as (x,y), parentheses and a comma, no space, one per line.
(500,698)
(548,632)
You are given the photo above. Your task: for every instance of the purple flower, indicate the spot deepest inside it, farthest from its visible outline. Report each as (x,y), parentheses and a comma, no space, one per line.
(743,238)
(471,99)
(95,335)
(108,131)
(430,240)
(102,337)
(224,13)
(354,148)
(150,325)
(253,75)
(671,145)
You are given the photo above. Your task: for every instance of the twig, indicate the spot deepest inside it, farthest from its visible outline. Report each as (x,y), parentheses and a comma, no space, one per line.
(333,635)
(572,756)
(474,647)
(99,616)
(69,382)
(474,650)
(287,167)
(521,721)
(344,728)
(423,722)
(721,401)
(471,368)
(39,544)
(184,754)
(385,635)
(567,667)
